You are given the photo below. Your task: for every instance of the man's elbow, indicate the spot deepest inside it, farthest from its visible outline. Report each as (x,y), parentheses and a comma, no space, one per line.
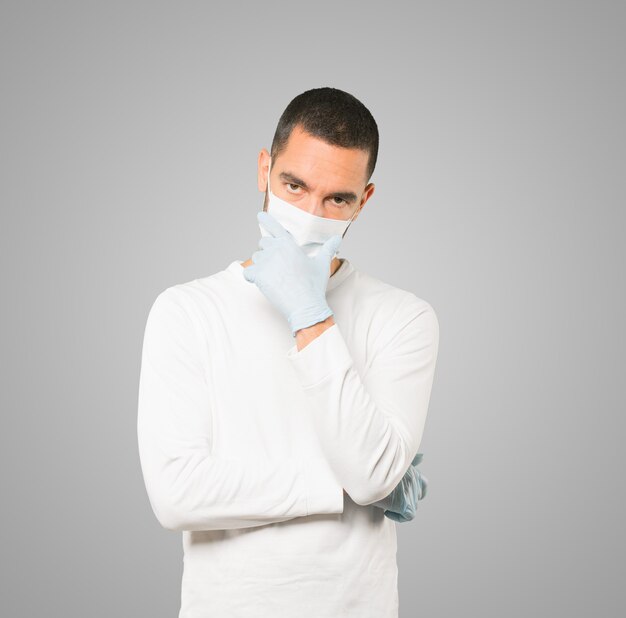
(167,514)
(367,493)
(168,505)
(366,490)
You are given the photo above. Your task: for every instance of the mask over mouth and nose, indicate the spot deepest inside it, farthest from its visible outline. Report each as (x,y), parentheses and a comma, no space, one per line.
(309,231)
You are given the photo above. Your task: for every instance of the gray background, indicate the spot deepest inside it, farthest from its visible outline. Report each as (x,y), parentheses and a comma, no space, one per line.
(130,135)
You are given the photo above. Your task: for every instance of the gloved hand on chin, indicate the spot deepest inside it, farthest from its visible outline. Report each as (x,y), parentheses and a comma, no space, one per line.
(292,281)
(401,504)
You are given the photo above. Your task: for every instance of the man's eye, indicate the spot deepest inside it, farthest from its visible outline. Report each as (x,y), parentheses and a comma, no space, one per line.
(290,185)
(342,202)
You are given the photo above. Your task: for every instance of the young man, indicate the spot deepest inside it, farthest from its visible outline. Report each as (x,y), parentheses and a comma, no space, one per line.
(282,400)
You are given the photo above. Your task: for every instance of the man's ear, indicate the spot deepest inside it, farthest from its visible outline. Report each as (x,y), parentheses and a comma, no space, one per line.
(263,163)
(367,193)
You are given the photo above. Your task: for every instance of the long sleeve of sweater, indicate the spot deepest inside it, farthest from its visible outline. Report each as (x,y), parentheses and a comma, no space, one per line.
(188,487)
(370,426)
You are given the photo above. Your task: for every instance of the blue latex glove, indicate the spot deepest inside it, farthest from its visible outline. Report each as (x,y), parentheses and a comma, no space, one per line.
(401,504)
(291,280)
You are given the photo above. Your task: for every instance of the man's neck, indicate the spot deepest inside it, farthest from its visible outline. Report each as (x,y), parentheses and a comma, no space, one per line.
(334,265)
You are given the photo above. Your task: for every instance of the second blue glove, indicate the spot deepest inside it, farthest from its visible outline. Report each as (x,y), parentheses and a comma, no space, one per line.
(401,504)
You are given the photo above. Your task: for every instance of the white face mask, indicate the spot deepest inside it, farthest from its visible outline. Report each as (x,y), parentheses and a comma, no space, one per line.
(309,231)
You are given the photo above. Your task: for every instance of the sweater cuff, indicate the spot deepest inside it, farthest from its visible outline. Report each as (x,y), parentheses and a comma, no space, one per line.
(323,492)
(321,357)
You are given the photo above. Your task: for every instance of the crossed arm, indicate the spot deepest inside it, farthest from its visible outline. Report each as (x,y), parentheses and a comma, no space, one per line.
(369,428)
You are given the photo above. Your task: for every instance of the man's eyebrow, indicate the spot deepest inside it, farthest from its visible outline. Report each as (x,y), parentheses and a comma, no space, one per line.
(348,196)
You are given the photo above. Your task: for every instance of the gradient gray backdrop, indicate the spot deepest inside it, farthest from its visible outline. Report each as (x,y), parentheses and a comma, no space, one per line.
(130,136)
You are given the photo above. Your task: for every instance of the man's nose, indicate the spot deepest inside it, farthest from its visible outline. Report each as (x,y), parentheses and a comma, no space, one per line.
(314,206)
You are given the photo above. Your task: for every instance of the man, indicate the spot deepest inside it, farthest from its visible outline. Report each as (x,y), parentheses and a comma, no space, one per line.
(282,400)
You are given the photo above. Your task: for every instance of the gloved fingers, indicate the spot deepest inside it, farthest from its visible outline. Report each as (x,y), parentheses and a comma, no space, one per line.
(329,248)
(258,256)
(394,516)
(271,225)
(424,483)
(399,517)
(266,241)
(249,273)
(417,459)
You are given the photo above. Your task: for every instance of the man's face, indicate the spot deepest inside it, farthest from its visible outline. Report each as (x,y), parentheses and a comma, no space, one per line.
(323,180)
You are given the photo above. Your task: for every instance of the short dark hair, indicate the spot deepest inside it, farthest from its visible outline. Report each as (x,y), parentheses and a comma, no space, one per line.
(333,116)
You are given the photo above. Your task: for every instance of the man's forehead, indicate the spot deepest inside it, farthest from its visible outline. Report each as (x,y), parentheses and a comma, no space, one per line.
(310,170)
(310,157)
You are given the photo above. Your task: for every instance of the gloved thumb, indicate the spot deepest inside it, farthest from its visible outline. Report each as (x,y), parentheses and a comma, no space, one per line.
(249,273)
(329,248)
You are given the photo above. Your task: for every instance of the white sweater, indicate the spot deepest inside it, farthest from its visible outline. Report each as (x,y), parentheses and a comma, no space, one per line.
(268,458)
